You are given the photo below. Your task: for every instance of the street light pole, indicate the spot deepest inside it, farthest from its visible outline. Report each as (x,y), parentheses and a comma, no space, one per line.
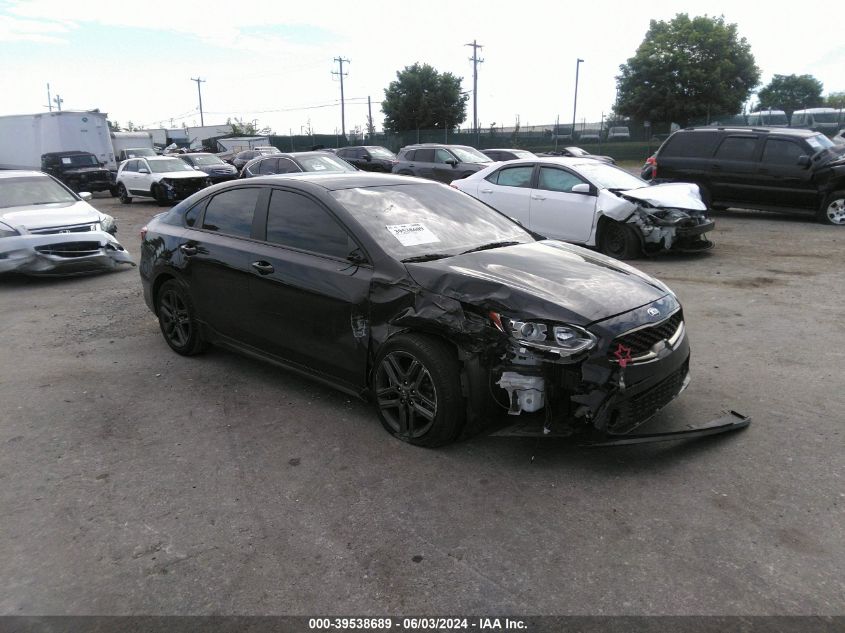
(575,105)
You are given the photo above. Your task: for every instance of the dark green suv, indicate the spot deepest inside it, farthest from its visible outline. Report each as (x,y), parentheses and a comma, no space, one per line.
(774,169)
(81,171)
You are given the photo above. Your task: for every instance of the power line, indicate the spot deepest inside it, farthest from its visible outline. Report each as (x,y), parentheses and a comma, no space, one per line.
(199,92)
(341,74)
(475,62)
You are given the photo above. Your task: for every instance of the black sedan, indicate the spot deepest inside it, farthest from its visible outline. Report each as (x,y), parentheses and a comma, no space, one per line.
(419,297)
(216,170)
(294,163)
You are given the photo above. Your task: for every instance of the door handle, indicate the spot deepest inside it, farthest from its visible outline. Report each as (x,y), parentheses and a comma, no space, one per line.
(486,191)
(264,268)
(536,197)
(188,249)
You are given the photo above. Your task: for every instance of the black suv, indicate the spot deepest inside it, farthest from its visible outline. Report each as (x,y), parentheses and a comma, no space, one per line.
(369,157)
(774,169)
(440,162)
(81,171)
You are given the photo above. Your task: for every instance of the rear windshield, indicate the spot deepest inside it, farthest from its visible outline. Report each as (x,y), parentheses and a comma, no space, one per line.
(19,192)
(412,220)
(826,117)
(324,163)
(690,144)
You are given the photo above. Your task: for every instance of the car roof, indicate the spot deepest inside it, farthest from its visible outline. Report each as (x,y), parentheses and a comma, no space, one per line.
(418,145)
(70,153)
(335,181)
(788,131)
(17,173)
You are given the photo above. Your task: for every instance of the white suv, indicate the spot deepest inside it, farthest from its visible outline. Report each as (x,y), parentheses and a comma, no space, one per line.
(164,179)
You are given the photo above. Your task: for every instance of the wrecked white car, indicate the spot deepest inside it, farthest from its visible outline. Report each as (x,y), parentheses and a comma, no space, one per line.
(46,229)
(595,204)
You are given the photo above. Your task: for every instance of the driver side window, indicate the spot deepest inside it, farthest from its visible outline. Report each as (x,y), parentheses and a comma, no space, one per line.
(552,179)
(442,156)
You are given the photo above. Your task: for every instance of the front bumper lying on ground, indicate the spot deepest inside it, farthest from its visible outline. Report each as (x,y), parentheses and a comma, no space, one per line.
(62,254)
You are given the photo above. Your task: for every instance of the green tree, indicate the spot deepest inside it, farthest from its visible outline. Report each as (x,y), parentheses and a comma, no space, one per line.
(790,93)
(835,100)
(685,69)
(247,128)
(422,98)
(114,126)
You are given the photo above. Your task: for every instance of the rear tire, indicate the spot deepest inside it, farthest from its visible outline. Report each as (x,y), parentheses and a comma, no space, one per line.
(177,319)
(619,241)
(416,386)
(123,194)
(833,209)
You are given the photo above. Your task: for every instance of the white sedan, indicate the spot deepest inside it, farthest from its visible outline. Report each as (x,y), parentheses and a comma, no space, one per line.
(588,202)
(47,229)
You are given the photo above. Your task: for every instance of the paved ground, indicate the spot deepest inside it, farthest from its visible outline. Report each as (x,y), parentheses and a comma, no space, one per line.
(133,480)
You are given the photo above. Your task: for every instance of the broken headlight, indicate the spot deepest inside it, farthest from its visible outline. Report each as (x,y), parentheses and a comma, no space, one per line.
(562,339)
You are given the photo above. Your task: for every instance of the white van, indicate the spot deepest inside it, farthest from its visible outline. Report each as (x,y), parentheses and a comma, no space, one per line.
(769,118)
(818,119)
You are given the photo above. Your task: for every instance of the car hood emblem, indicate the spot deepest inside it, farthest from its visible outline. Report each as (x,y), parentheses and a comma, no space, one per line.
(653,312)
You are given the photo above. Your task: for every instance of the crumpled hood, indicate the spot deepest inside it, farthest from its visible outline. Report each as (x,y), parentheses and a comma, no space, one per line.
(670,195)
(47,215)
(548,279)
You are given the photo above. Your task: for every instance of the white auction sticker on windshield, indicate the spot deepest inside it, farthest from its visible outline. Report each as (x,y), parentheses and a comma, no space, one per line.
(412,234)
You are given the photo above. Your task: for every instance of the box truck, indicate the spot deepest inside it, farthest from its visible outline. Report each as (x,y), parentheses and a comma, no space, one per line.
(24,138)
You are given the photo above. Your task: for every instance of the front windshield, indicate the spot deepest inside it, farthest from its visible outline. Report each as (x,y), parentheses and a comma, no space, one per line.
(80,160)
(324,162)
(380,152)
(165,165)
(418,219)
(470,155)
(20,192)
(607,176)
(819,142)
(206,160)
(521,153)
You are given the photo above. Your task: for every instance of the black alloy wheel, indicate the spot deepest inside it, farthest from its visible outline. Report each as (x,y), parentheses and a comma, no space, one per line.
(416,384)
(177,320)
(618,240)
(123,194)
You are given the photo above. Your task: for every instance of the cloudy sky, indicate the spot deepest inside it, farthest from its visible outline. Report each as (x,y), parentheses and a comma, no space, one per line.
(272,60)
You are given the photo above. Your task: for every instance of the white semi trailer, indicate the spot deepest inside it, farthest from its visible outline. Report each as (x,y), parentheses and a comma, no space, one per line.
(25,137)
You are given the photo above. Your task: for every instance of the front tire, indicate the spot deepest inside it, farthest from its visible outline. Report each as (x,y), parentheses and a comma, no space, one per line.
(619,241)
(417,390)
(833,209)
(177,319)
(123,194)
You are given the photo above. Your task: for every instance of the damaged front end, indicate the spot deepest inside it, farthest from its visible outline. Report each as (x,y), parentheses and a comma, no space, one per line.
(63,252)
(668,217)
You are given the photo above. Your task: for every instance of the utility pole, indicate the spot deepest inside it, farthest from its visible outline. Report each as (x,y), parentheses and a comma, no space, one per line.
(49,99)
(575,105)
(199,92)
(370,129)
(476,60)
(341,74)
(58,101)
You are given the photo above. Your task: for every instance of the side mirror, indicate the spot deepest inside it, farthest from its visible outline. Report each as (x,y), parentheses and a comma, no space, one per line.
(452,162)
(143,170)
(803,161)
(368,158)
(581,188)
(85,195)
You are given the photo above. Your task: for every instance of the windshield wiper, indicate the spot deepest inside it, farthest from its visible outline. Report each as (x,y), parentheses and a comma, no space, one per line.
(486,247)
(427,257)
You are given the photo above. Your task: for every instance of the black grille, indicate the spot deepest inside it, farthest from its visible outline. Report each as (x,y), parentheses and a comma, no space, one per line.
(70,249)
(643,339)
(187,186)
(641,407)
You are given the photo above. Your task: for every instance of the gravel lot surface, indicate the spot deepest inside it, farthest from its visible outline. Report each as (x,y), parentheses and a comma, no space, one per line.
(137,481)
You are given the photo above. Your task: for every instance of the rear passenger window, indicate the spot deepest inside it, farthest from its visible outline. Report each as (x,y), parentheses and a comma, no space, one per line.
(425,155)
(737,148)
(231,212)
(297,221)
(192,214)
(268,166)
(690,144)
(513,176)
(781,152)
